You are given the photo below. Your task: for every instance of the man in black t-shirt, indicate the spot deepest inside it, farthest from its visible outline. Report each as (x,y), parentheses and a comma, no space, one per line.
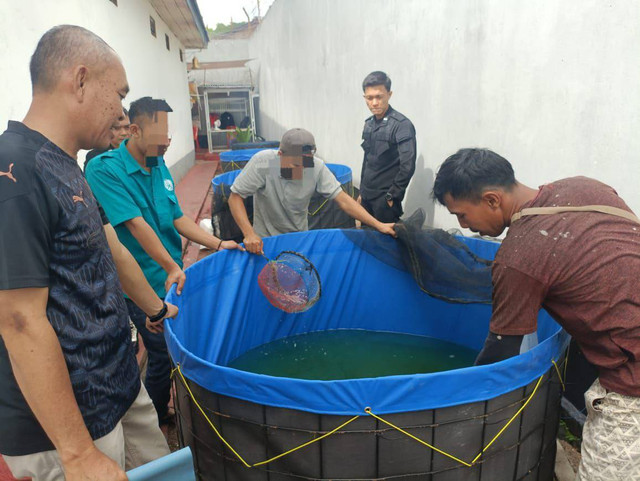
(70,392)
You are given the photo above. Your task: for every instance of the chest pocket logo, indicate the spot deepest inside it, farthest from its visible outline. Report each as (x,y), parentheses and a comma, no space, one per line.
(168,185)
(79,199)
(9,174)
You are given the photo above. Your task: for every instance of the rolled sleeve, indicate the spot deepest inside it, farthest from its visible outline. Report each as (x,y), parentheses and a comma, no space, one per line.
(327,185)
(177,211)
(517,298)
(251,179)
(111,193)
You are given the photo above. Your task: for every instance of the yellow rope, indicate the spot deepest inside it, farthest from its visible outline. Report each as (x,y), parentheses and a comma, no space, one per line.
(184,382)
(559,375)
(308,442)
(510,421)
(323,204)
(369,412)
(318,209)
(237,166)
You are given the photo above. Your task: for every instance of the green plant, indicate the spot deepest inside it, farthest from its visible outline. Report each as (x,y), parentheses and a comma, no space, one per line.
(566,434)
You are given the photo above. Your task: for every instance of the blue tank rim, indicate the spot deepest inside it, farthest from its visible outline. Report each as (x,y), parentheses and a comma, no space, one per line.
(349,397)
(242,155)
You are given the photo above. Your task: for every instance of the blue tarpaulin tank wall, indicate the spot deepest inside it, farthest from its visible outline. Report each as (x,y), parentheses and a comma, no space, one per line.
(266,144)
(223,314)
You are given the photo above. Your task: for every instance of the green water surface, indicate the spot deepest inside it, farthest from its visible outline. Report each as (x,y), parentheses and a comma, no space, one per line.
(353,354)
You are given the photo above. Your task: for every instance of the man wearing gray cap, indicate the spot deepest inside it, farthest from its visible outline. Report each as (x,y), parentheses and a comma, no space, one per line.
(282,184)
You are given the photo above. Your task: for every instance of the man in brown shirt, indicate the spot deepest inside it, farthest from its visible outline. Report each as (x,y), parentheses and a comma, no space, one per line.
(582,267)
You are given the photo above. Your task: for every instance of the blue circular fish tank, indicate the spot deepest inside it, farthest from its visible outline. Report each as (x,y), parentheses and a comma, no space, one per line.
(493,422)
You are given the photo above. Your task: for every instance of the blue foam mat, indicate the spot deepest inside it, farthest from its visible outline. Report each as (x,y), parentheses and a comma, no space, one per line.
(176,466)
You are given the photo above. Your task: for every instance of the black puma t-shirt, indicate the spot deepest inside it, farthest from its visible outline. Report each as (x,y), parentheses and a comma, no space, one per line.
(52,235)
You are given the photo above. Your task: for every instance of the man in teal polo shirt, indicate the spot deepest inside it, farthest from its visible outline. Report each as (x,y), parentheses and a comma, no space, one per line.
(137,193)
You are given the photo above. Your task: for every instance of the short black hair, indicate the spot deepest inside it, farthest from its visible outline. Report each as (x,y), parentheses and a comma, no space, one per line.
(469,172)
(125,112)
(377,78)
(147,107)
(59,48)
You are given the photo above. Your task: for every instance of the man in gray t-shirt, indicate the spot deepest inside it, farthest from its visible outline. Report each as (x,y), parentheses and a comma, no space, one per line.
(282,183)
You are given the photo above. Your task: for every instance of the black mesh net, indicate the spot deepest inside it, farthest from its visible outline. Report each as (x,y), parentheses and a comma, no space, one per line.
(222,221)
(324,213)
(290,282)
(442,266)
(232,165)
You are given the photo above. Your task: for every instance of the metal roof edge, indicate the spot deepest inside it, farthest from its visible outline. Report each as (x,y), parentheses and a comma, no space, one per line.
(197,17)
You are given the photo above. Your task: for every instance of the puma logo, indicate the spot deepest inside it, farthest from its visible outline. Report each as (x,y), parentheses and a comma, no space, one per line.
(9,174)
(78,198)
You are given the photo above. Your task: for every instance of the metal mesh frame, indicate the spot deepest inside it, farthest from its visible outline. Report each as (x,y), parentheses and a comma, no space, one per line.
(370,450)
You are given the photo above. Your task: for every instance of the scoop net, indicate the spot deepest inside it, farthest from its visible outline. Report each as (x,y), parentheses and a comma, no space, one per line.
(290,282)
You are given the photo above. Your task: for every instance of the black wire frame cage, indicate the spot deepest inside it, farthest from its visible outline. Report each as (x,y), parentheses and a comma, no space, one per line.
(516,430)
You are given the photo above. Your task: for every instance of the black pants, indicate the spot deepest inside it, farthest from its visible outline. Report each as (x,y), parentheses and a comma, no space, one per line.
(157,379)
(379,208)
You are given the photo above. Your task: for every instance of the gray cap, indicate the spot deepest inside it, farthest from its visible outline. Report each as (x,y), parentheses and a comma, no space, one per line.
(297,142)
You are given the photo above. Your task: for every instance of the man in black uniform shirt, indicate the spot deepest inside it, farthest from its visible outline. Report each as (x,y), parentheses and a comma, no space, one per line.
(389,143)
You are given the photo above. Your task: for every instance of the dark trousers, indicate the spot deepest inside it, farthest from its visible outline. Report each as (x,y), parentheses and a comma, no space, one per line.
(157,380)
(379,209)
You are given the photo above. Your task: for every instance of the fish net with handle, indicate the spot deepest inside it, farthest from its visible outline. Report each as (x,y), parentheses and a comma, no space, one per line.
(290,282)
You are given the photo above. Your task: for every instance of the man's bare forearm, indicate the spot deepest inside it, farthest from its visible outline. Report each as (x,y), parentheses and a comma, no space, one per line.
(189,229)
(132,278)
(239,213)
(40,370)
(355,210)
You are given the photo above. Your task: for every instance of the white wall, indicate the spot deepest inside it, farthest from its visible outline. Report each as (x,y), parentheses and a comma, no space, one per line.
(151,69)
(553,86)
(222,50)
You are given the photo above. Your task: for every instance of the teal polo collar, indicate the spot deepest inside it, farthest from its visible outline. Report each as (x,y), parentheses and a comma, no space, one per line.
(130,164)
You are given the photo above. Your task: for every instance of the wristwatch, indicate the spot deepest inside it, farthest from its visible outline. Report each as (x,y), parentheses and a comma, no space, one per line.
(161,314)
(388,197)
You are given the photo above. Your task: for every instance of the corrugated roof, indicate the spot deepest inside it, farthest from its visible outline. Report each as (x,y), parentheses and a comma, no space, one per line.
(184,20)
(219,65)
